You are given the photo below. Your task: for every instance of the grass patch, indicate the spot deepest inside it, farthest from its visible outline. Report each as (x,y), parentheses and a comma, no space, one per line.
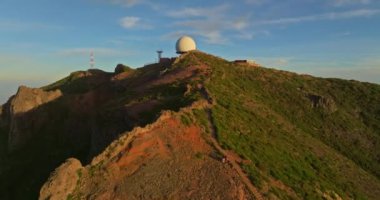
(266,116)
(186,119)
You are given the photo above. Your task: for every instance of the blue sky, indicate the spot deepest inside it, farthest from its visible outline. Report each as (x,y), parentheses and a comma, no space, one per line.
(44,40)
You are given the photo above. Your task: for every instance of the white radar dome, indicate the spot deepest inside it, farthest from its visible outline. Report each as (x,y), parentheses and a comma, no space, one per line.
(185,44)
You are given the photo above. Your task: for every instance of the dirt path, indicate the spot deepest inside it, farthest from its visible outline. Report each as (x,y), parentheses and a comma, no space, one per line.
(230,158)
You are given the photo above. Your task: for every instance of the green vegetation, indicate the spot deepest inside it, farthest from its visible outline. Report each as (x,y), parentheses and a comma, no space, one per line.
(201,117)
(75,76)
(79,173)
(70,197)
(170,97)
(120,68)
(186,119)
(266,116)
(79,82)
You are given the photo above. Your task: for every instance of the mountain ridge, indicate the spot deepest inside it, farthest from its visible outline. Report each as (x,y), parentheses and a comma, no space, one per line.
(294,136)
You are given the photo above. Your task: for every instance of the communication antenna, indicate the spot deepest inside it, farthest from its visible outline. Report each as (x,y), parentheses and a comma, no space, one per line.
(92,59)
(159,52)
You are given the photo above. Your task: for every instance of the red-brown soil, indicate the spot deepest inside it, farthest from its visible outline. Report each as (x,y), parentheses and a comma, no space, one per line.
(166,160)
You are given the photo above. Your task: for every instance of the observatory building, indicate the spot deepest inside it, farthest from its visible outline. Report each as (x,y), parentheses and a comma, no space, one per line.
(185,44)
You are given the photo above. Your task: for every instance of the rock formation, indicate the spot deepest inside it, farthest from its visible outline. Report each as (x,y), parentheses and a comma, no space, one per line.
(62,181)
(20,108)
(318,101)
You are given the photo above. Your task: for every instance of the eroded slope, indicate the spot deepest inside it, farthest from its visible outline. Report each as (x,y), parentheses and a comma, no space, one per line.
(169,159)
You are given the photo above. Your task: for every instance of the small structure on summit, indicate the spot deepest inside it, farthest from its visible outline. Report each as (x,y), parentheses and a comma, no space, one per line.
(247,62)
(164,60)
(185,44)
(159,52)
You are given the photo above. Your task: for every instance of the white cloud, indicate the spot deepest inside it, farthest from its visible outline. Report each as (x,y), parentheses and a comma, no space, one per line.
(129,22)
(209,23)
(173,35)
(350,2)
(213,37)
(188,12)
(326,16)
(213,12)
(208,29)
(249,35)
(240,24)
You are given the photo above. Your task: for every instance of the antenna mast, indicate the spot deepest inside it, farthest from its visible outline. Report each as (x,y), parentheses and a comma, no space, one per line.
(159,52)
(92,59)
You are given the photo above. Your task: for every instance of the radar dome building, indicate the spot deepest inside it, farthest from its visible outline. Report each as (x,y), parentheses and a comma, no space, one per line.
(185,44)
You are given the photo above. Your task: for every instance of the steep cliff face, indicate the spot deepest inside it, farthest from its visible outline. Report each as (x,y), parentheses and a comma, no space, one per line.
(20,117)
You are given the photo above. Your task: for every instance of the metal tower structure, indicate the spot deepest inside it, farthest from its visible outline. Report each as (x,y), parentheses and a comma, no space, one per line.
(92,59)
(159,52)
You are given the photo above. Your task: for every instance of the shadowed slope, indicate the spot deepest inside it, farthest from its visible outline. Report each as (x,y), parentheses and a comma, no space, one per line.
(94,109)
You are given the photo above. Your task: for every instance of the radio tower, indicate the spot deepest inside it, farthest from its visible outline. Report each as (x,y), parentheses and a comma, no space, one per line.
(92,59)
(159,52)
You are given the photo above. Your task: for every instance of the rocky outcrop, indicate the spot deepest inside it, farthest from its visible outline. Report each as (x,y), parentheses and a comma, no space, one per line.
(20,105)
(27,99)
(120,68)
(63,181)
(325,103)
